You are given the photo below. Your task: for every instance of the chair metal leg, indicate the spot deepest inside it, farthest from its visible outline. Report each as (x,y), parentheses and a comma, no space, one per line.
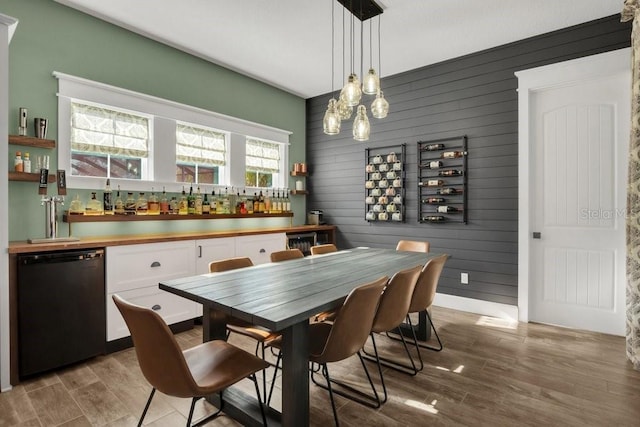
(395,364)
(418,343)
(325,373)
(255,383)
(146,407)
(208,417)
(273,382)
(384,387)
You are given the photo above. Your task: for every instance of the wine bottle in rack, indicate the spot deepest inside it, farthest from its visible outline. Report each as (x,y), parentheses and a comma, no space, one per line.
(435,164)
(431,183)
(446,209)
(447,191)
(432,200)
(433,218)
(450,172)
(433,147)
(452,154)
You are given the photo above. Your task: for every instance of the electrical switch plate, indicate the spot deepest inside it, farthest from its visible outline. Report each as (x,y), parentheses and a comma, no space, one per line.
(464,278)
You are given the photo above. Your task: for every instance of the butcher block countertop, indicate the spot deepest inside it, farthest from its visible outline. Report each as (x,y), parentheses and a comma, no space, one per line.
(21,247)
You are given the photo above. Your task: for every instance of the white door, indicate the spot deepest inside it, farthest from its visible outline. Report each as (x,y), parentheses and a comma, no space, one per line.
(579,137)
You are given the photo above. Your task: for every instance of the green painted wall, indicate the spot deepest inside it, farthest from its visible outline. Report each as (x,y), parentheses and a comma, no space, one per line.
(52,37)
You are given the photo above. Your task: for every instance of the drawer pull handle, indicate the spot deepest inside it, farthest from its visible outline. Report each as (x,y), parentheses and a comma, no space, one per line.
(156,307)
(155,264)
(262,251)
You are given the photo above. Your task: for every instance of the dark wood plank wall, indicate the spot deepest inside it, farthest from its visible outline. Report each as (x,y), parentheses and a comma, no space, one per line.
(474,95)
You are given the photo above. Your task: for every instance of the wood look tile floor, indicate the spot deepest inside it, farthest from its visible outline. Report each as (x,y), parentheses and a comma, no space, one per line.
(490,373)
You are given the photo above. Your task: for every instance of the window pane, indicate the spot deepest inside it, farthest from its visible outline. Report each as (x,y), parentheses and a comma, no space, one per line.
(265,180)
(208,175)
(200,146)
(126,167)
(250,179)
(186,173)
(83,164)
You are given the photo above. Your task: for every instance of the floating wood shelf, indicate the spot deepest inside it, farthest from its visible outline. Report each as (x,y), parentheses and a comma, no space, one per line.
(294,173)
(30,141)
(29,177)
(297,192)
(122,218)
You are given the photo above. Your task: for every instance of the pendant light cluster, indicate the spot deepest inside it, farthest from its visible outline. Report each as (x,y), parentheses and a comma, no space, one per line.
(352,92)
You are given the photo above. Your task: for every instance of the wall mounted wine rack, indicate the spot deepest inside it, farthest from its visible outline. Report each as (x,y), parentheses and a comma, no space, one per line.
(384,184)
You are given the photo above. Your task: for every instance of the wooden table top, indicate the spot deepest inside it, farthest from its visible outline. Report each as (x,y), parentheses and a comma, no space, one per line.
(278,295)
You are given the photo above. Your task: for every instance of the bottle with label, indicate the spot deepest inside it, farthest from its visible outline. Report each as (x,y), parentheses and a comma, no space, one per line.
(452,154)
(435,164)
(256,203)
(191,202)
(249,205)
(432,200)
(173,206)
(261,204)
(277,203)
(450,172)
(287,202)
(18,164)
(26,163)
(431,183)
(446,209)
(106,197)
(164,203)
(433,147)
(447,191)
(433,218)
(130,205)
(183,204)
(94,207)
(226,202)
(213,202)
(206,205)
(76,207)
(267,202)
(118,204)
(197,203)
(154,204)
(142,205)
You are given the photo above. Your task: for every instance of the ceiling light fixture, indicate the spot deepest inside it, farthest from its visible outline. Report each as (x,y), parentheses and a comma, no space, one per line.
(352,91)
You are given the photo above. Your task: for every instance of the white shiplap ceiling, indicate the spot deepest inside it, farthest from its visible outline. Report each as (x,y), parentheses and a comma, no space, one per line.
(287,43)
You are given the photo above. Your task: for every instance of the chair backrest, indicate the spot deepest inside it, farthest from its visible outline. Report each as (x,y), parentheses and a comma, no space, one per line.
(323,249)
(395,300)
(229,264)
(286,255)
(352,324)
(159,355)
(412,246)
(425,290)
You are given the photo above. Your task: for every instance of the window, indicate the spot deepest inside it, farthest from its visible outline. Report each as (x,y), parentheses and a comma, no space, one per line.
(262,163)
(108,143)
(200,153)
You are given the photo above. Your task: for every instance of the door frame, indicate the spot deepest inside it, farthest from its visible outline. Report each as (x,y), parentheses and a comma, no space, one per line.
(529,82)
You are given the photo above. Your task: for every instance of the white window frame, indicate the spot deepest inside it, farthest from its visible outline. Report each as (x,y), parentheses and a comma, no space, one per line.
(165,115)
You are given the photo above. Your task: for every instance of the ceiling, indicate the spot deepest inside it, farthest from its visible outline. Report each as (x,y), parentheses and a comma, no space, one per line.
(287,43)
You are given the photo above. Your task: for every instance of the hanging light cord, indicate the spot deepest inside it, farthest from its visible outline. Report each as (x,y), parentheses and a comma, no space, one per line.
(371,43)
(379,50)
(332,47)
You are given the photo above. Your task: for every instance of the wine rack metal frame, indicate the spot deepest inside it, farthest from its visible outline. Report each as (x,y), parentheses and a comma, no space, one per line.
(370,153)
(425,173)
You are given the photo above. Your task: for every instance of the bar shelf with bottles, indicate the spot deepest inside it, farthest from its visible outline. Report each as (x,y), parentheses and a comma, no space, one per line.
(384,184)
(442,180)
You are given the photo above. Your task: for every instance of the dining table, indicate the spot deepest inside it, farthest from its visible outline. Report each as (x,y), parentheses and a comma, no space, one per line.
(283,297)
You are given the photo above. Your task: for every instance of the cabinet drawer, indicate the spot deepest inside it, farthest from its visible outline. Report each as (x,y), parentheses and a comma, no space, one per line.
(259,247)
(139,266)
(172,308)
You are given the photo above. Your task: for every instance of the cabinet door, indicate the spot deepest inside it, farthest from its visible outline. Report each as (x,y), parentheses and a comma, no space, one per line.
(259,247)
(208,250)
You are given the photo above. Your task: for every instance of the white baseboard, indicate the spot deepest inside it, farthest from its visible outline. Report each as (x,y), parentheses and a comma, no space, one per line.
(486,308)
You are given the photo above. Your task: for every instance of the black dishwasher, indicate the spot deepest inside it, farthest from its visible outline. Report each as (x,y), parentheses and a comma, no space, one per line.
(61,309)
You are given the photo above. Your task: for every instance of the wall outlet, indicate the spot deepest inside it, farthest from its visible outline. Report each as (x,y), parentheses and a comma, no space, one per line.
(464,278)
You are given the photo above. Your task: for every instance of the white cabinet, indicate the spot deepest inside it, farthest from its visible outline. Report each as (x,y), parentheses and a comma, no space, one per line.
(134,272)
(258,247)
(208,250)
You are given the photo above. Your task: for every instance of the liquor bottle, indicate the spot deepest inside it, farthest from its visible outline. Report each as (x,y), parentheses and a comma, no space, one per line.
(154,204)
(433,147)
(164,203)
(446,209)
(94,207)
(452,154)
(434,200)
(431,183)
(261,204)
(130,204)
(267,202)
(18,164)
(435,164)
(433,218)
(245,202)
(26,163)
(198,203)
(183,204)
(106,197)
(191,202)
(226,202)
(444,191)
(206,205)
(213,202)
(450,172)
(118,205)
(249,204)
(256,203)
(277,203)
(142,205)
(174,206)
(287,202)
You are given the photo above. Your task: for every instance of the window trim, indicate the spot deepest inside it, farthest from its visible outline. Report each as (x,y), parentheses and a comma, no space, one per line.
(165,113)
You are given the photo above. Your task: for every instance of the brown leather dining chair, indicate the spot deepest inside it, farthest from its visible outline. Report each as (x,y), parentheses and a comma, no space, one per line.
(422,299)
(323,249)
(197,372)
(286,255)
(391,313)
(343,338)
(413,246)
(241,327)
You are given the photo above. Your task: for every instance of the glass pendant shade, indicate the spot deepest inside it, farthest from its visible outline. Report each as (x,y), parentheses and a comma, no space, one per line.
(379,106)
(351,91)
(361,126)
(344,111)
(331,122)
(371,83)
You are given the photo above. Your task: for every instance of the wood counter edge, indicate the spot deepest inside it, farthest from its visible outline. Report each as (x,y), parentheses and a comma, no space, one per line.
(21,247)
